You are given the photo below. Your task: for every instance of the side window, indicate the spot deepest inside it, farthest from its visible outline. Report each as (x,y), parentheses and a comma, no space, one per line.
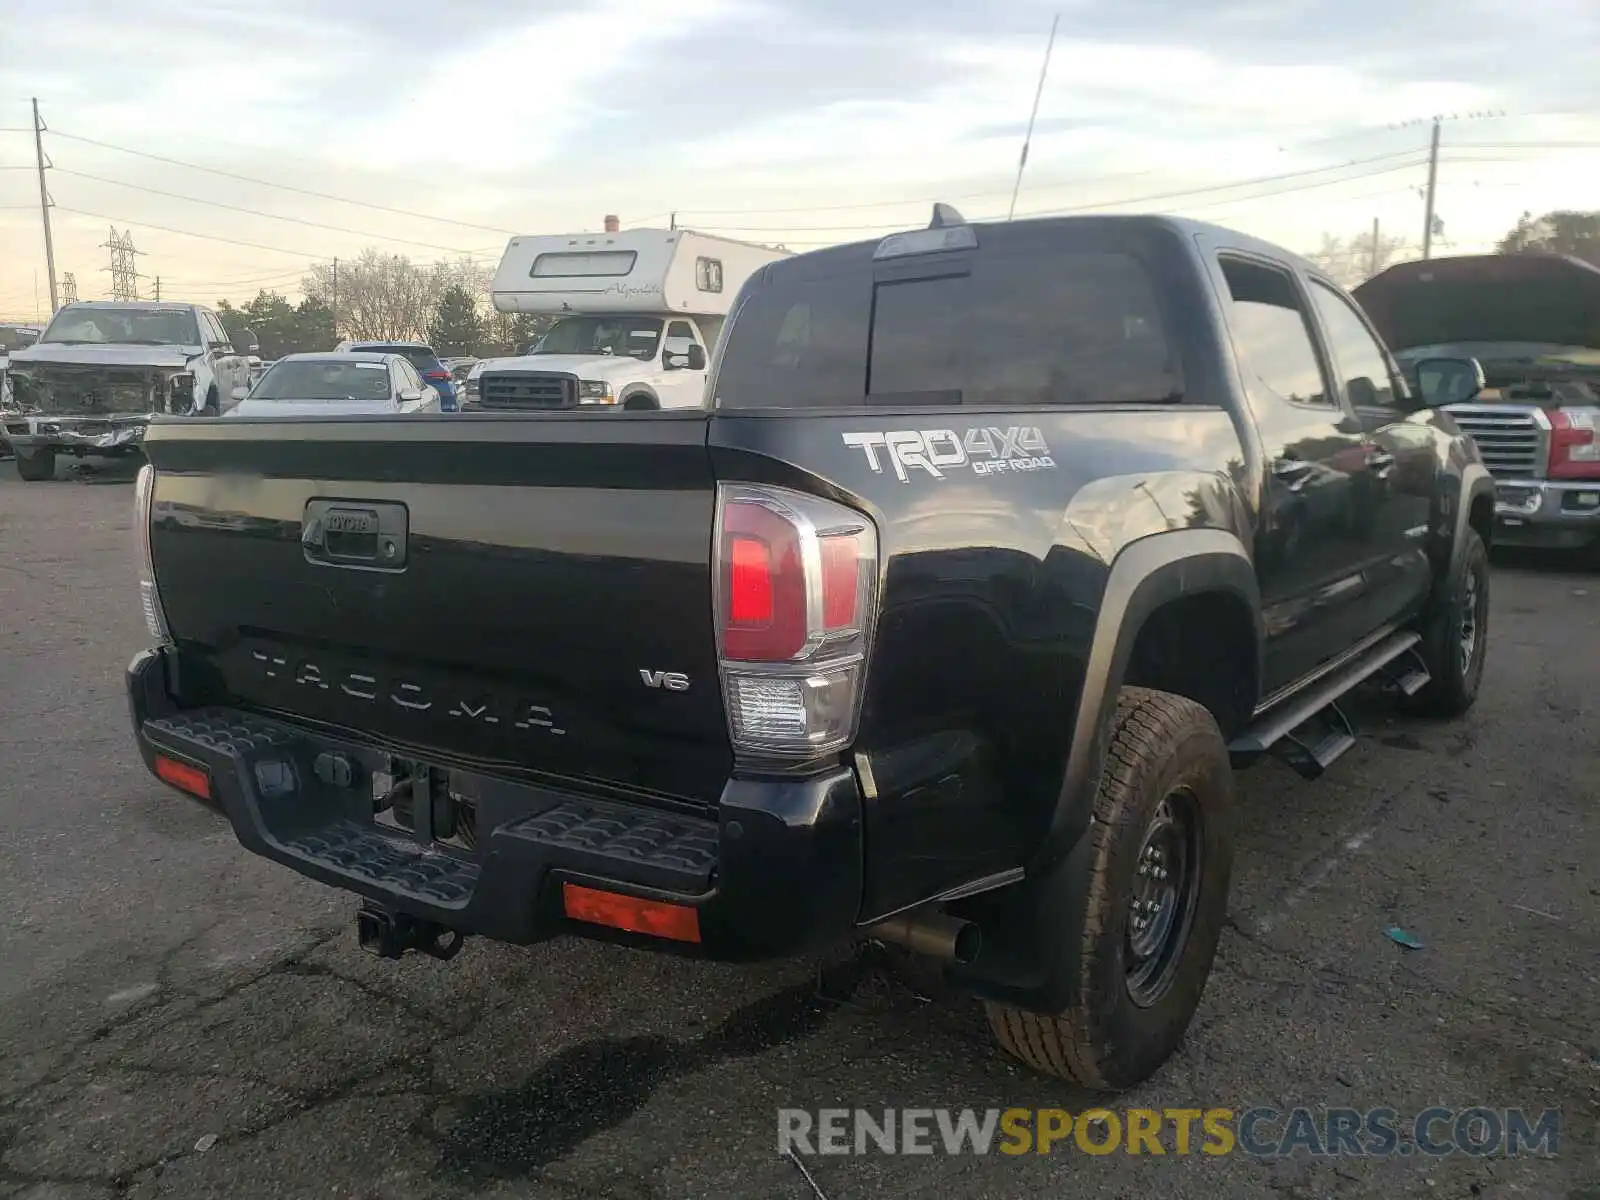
(680,336)
(1271,333)
(1366,372)
(409,378)
(209,326)
(708,274)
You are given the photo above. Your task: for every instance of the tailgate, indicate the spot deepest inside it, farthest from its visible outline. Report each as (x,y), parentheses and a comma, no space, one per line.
(525,592)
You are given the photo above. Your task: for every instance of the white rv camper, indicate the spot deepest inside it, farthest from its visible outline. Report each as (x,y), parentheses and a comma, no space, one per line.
(639,313)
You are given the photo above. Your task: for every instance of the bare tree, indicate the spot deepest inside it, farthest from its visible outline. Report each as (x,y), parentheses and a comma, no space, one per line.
(1351,260)
(387,297)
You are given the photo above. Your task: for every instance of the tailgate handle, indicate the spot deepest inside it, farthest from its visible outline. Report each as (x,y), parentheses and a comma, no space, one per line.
(362,534)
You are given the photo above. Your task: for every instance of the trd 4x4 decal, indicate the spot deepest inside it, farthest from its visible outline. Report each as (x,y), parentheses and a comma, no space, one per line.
(984,450)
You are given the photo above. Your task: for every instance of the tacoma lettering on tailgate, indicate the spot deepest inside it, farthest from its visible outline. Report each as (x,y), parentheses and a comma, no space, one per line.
(408,694)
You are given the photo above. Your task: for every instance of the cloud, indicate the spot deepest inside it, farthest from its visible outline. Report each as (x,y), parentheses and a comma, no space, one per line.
(545,115)
(534,89)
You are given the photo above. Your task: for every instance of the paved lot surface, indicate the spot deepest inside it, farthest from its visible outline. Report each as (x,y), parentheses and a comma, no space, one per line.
(180,1019)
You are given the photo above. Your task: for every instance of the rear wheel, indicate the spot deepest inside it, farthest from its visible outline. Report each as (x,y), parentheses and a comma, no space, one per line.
(640,402)
(1154,906)
(36,466)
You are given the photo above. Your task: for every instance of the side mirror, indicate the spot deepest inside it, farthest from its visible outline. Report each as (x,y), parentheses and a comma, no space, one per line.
(697,358)
(239,393)
(1442,381)
(410,394)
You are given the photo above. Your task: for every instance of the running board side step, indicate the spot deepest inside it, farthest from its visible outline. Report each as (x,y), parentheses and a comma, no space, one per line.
(1407,673)
(1310,730)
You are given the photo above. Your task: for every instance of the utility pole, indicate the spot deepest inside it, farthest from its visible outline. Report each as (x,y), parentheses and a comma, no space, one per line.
(672,221)
(1372,262)
(158,287)
(1433,179)
(44,204)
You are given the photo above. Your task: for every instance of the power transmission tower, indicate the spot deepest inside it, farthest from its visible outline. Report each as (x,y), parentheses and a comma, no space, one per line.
(44,203)
(157,296)
(124,272)
(69,288)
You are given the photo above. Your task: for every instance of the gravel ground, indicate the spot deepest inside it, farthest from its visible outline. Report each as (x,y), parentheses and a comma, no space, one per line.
(178,1018)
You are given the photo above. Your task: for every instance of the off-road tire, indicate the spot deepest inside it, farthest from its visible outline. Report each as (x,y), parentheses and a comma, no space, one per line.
(1160,744)
(36,466)
(1456,677)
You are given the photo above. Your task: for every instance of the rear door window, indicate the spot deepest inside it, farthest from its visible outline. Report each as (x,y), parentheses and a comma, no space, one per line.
(1073,327)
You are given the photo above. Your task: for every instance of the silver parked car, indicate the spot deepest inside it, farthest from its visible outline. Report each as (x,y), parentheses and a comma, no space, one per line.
(337,384)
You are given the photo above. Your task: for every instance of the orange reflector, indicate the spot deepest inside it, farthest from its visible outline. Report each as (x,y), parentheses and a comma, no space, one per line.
(673,921)
(183,777)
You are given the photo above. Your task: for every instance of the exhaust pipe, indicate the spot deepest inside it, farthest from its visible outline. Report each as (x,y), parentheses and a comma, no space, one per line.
(936,934)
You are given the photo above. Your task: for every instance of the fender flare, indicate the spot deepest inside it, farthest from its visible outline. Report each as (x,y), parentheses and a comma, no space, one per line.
(1144,575)
(1475,481)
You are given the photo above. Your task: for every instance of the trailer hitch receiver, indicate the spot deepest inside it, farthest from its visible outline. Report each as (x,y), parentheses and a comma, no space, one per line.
(390,934)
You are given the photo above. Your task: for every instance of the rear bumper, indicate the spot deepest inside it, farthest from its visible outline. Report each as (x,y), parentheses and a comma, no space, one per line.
(1547,513)
(775,869)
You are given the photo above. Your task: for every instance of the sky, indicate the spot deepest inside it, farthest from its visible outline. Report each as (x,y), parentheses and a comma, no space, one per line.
(437,130)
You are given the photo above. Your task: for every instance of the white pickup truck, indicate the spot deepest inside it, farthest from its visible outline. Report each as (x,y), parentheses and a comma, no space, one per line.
(102,369)
(639,315)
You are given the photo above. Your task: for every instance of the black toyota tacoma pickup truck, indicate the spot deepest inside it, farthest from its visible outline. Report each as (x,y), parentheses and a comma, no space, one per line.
(994,549)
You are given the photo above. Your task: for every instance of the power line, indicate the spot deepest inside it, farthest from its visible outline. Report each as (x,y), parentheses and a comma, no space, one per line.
(174,162)
(1199,191)
(210,237)
(255,212)
(1265,195)
(1281,176)
(909,201)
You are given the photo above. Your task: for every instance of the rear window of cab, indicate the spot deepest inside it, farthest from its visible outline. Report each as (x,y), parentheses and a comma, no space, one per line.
(998,326)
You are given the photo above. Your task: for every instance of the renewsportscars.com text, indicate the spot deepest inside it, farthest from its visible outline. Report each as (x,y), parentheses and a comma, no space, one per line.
(1259,1132)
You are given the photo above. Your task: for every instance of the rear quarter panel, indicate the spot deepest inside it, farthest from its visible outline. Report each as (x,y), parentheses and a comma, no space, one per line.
(995,562)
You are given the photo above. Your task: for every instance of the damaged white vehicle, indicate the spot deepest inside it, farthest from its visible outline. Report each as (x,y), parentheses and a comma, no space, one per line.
(103,369)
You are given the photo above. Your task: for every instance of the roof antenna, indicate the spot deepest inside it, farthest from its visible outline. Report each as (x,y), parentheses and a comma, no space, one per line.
(1033,116)
(945,215)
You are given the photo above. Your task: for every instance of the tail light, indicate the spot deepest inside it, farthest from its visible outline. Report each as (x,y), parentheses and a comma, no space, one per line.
(155,619)
(1574,453)
(436,376)
(796,600)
